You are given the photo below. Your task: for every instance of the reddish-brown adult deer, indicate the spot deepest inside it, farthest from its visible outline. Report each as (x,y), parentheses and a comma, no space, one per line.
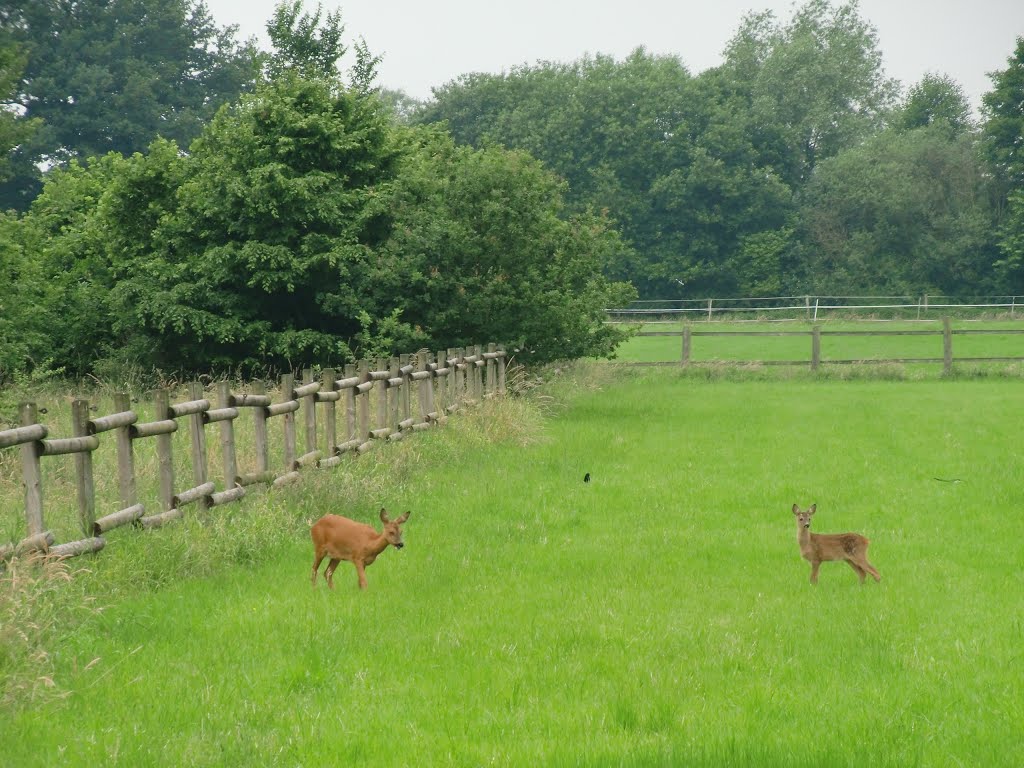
(340,539)
(816,548)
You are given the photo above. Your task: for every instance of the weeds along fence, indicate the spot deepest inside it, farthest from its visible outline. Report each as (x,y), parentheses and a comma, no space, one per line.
(385,401)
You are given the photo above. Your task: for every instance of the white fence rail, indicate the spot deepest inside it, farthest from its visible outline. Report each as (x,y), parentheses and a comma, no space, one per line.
(813,308)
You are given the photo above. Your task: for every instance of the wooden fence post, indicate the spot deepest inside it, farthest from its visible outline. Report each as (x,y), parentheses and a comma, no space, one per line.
(492,372)
(330,413)
(947,346)
(83,468)
(501,370)
(382,428)
(479,365)
(125,454)
(31,474)
(197,427)
(395,384)
(364,387)
(350,405)
(403,361)
(287,395)
(309,404)
(686,345)
(164,443)
(461,377)
(441,397)
(477,374)
(815,347)
(227,438)
(259,417)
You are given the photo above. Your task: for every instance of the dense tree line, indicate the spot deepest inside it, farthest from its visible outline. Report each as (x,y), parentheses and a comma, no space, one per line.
(794,166)
(185,201)
(303,223)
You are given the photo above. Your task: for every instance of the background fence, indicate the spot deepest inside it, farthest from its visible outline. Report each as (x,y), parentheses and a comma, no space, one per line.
(814,308)
(377,402)
(814,357)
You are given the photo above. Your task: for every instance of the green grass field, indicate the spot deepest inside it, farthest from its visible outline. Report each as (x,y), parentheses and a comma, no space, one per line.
(658,615)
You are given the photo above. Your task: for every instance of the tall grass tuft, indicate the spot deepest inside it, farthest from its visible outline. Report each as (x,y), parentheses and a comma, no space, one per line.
(37,602)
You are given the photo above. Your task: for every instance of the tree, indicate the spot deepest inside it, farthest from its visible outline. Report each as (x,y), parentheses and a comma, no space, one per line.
(809,88)
(304,43)
(701,174)
(112,75)
(15,128)
(280,205)
(480,249)
(25,304)
(937,99)
(905,212)
(1003,113)
(1003,129)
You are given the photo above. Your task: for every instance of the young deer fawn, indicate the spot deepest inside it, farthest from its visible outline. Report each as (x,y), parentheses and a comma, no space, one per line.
(819,547)
(340,539)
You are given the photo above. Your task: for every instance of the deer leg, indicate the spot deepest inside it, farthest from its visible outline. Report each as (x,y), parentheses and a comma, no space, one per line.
(317,559)
(814,571)
(361,571)
(860,571)
(870,568)
(329,573)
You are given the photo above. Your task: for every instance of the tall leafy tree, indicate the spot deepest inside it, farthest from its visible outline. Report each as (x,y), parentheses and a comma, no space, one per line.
(809,88)
(935,100)
(905,212)
(1003,110)
(664,155)
(112,75)
(281,204)
(26,305)
(15,128)
(309,43)
(483,249)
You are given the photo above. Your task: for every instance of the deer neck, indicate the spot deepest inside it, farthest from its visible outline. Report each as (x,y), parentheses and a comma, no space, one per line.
(378,544)
(803,537)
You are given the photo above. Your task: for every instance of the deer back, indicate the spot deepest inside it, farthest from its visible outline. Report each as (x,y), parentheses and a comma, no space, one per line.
(341,537)
(838,546)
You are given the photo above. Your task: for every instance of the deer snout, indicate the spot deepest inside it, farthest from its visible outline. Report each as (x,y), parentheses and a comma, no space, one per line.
(398,545)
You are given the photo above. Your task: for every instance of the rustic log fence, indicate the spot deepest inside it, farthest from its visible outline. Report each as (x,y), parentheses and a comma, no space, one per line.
(444,384)
(816,333)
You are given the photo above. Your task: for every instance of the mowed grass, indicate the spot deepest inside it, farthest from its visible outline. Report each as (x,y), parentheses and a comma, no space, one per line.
(657,615)
(776,347)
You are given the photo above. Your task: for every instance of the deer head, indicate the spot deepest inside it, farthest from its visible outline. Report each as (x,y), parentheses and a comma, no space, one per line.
(392,528)
(803,519)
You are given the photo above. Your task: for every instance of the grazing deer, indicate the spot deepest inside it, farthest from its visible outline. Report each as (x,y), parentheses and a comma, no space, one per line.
(340,539)
(819,547)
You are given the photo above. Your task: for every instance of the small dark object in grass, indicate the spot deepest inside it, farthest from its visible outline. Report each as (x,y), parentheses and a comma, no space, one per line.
(586,478)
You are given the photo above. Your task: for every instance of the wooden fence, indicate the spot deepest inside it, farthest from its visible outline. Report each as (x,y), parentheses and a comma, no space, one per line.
(444,383)
(947,333)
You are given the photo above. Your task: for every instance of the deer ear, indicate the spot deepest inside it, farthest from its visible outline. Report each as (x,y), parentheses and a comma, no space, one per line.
(813,509)
(383,515)
(796,510)
(404,517)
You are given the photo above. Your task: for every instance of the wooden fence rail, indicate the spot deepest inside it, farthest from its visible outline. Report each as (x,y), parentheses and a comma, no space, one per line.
(444,383)
(816,333)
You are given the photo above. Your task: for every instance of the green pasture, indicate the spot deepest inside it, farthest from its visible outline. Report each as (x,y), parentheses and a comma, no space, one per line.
(733,348)
(658,615)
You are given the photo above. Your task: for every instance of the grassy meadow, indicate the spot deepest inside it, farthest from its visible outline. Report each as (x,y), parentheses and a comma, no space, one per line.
(658,615)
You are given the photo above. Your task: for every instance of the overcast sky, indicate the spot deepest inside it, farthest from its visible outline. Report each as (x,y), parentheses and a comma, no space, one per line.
(426,43)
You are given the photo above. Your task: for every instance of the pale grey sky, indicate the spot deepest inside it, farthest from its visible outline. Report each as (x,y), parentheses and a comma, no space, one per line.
(426,43)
